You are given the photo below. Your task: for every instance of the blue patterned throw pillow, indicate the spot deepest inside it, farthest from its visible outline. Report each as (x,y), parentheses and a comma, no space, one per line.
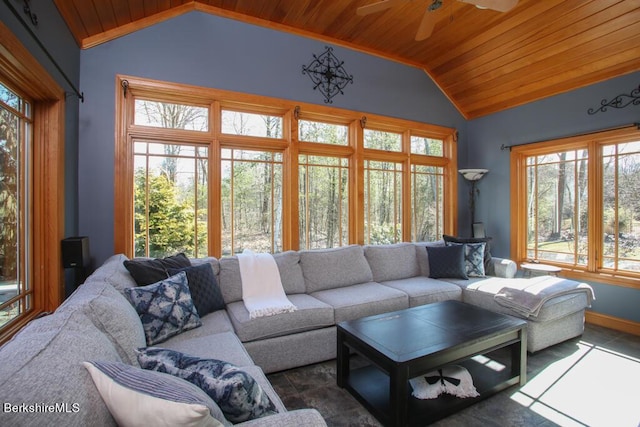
(446,262)
(165,308)
(473,258)
(237,394)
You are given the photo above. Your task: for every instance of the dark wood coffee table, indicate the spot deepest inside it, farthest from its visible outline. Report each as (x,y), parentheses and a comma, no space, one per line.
(408,343)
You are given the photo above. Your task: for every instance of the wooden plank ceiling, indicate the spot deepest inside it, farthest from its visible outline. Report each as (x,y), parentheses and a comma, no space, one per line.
(484,61)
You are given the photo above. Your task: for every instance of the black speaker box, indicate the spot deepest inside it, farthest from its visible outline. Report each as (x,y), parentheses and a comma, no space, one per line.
(75,252)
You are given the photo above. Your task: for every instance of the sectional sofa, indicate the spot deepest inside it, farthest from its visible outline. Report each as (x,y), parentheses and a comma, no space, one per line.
(43,364)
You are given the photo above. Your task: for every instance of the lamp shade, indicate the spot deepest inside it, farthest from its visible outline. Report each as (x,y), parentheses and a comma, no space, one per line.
(473,174)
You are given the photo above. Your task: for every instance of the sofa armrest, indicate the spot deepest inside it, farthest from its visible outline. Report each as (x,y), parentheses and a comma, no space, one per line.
(297,418)
(504,267)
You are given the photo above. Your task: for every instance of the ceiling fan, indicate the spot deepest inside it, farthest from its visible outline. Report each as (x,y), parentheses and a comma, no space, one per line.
(430,15)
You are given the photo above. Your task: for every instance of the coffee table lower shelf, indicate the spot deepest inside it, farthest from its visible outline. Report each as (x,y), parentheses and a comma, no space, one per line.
(370,386)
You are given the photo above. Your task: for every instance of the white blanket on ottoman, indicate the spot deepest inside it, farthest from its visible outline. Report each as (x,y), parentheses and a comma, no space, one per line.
(262,290)
(527,296)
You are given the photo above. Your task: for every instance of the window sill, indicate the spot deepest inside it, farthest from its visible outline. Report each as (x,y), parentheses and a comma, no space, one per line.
(604,277)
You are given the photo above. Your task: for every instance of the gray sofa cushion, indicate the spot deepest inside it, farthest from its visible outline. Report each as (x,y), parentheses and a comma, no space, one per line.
(334,268)
(114,273)
(392,262)
(43,365)
(215,264)
(224,346)
(424,290)
(109,310)
(288,266)
(310,314)
(365,299)
(212,323)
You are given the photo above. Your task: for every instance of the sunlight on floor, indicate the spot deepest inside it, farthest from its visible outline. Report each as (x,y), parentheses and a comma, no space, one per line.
(593,386)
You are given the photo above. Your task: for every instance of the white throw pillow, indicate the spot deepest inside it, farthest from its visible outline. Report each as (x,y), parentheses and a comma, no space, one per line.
(137,397)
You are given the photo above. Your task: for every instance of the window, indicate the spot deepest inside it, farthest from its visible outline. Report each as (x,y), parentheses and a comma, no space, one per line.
(326,133)
(427,203)
(621,206)
(15,166)
(324,201)
(427,146)
(171,116)
(170,199)
(382,202)
(211,173)
(576,204)
(251,201)
(31,187)
(557,200)
(251,124)
(381,140)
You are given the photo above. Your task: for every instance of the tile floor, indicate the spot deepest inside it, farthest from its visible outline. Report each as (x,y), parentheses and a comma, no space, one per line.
(592,380)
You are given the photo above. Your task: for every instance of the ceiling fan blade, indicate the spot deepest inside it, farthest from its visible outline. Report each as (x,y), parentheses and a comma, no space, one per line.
(497,5)
(426,25)
(376,7)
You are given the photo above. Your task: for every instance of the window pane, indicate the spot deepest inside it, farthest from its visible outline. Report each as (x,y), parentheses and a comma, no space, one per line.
(251,201)
(383,202)
(171,116)
(325,133)
(261,125)
(324,202)
(170,199)
(9,98)
(380,140)
(427,203)
(557,207)
(621,204)
(427,146)
(15,148)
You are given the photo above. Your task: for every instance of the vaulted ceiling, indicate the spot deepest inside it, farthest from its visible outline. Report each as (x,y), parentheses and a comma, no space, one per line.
(484,61)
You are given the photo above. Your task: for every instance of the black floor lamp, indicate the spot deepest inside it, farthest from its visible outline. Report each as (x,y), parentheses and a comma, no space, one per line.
(473,176)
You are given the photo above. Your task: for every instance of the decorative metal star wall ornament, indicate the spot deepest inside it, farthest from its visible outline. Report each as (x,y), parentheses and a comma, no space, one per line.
(327,74)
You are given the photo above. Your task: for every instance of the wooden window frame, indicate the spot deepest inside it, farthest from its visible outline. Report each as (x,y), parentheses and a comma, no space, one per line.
(19,68)
(288,145)
(592,142)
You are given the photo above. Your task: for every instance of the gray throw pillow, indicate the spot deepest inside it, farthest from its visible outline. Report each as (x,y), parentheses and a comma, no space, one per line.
(203,286)
(446,262)
(165,308)
(236,392)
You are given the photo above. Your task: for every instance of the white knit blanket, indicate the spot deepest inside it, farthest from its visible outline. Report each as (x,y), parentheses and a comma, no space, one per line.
(262,290)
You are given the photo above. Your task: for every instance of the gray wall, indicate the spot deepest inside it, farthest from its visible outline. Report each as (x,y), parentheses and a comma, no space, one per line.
(555,117)
(209,51)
